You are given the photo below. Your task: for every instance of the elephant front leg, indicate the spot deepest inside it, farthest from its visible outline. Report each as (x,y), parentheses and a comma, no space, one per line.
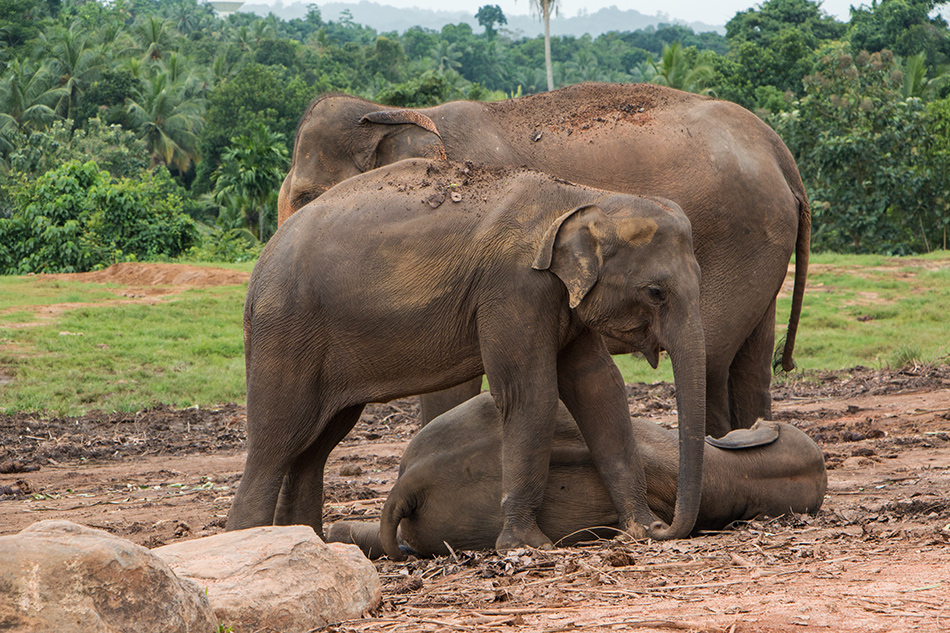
(592,389)
(526,396)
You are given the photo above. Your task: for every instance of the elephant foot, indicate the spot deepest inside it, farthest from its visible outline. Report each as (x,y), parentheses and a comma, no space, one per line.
(513,537)
(632,531)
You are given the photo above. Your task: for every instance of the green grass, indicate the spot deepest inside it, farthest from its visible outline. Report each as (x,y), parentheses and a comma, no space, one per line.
(19,292)
(184,351)
(873,311)
(188,350)
(865,310)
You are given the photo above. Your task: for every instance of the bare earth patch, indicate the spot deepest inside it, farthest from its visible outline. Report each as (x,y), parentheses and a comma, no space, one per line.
(875,558)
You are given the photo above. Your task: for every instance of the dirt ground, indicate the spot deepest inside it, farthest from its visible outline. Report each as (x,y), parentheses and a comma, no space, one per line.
(875,558)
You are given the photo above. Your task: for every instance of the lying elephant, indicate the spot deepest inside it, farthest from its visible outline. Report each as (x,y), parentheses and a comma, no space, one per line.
(449,486)
(731,174)
(421,275)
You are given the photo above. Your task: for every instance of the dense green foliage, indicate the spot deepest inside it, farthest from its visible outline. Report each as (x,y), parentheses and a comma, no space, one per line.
(76,217)
(167,91)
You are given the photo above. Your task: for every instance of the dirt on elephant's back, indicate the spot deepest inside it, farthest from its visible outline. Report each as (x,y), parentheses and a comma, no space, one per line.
(587,106)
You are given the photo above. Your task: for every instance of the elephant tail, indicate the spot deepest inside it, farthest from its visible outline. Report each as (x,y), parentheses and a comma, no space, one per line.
(802,250)
(400,504)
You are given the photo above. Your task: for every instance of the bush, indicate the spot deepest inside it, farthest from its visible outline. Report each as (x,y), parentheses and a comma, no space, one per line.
(76,218)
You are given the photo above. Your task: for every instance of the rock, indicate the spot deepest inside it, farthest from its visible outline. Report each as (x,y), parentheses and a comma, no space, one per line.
(60,576)
(277,578)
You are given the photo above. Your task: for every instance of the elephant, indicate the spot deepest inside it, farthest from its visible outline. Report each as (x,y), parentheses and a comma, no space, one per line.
(728,170)
(423,274)
(449,490)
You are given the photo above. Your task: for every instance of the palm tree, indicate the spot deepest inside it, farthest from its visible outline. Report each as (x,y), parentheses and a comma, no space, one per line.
(167,120)
(28,94)
(544,9)
(76,60)
(153,36)
(915,81)
(676,71)
(250,174)
(446,57)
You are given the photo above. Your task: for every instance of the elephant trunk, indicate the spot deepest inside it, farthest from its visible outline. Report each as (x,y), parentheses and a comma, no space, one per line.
(687,350)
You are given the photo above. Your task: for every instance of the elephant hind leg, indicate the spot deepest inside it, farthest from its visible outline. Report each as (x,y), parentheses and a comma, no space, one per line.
(432,405)
(750,375)
(301,495)
(717,399)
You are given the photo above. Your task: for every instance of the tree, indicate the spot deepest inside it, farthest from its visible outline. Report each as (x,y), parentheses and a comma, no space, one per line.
(915,81)
(545,8)
(871,159)
(167,120)
(77,62)
(488,16)
(256,94)
(678,68)
(902,26)
(250,175)
(28,95)
(774,44)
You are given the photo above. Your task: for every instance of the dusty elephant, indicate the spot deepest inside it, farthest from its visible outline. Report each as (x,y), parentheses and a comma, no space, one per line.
(421,275)
(449,490)
(731,174)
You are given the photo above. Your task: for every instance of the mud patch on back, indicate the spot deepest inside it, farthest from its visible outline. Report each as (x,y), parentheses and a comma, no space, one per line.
(586,108)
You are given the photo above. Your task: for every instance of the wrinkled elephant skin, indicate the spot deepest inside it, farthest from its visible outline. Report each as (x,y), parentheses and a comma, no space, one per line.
(729,172)
(422,275)
(449,491)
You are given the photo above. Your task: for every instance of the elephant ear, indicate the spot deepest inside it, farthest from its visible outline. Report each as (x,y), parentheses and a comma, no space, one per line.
(395,135)
(761,433)
(570,249)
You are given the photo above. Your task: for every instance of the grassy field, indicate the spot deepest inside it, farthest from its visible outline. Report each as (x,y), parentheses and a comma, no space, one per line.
(112,353)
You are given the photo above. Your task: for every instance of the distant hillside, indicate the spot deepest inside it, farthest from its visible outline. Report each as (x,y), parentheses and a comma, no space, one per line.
(384,18)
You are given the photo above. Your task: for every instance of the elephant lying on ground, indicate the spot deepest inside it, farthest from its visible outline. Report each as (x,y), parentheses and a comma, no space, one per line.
(449,490)
(424,274)
(730,173)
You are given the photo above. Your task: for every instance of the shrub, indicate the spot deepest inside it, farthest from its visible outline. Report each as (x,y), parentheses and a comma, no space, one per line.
(77,218)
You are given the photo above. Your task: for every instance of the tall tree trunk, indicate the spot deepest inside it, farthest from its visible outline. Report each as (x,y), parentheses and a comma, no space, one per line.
(546,8)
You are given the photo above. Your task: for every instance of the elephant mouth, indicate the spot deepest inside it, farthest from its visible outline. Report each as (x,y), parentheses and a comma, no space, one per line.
(632,341)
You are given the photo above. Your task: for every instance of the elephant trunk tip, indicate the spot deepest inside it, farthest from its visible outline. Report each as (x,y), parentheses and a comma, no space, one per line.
(660,531)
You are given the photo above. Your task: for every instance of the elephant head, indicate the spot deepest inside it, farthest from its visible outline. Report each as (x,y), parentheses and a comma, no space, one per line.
(631,276)
(342,136)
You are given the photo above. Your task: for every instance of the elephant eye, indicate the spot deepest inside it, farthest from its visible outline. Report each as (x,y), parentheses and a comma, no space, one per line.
(657,293)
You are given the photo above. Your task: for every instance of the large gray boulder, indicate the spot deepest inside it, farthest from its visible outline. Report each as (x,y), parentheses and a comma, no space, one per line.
(281,578)
(60,576)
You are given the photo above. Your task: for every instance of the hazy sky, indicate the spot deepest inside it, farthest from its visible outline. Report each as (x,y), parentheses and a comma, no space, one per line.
(718,12)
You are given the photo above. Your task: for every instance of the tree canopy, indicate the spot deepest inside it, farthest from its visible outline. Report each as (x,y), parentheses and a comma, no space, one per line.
(168,91)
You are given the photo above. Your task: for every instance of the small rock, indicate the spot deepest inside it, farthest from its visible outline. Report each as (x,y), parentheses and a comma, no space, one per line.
(351,470)
(436,199)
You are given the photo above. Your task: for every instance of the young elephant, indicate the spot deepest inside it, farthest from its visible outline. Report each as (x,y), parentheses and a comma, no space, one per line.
(449,490)
(421,275)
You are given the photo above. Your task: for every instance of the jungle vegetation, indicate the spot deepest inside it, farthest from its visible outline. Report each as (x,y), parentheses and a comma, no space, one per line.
(155,129)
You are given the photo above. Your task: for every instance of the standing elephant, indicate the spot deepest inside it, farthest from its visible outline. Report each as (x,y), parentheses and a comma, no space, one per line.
(769,470)
(421,275)
(730,173)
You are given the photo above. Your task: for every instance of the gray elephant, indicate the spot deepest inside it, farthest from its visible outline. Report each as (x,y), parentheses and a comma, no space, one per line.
(449,490)
(730,173)
(424,274)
